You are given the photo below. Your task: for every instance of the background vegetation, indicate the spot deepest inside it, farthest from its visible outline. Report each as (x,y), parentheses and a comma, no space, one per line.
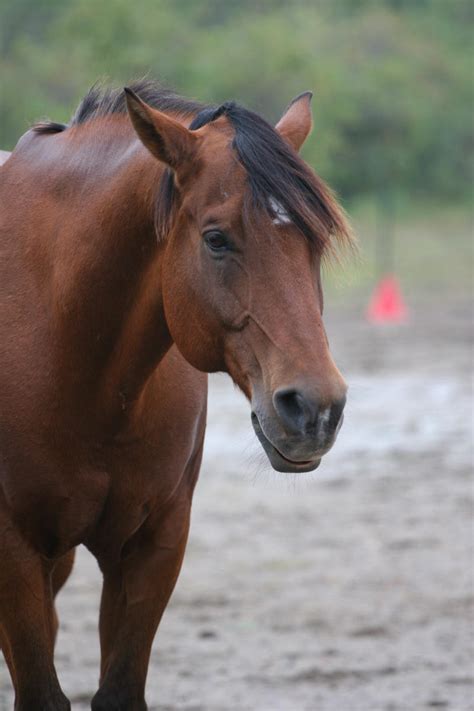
(392,78)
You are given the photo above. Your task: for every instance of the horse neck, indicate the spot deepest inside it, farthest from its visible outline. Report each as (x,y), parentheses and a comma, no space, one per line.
(109,296)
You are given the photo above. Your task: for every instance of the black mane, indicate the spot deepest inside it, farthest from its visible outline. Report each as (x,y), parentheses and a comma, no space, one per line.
(279,180)
(105,101)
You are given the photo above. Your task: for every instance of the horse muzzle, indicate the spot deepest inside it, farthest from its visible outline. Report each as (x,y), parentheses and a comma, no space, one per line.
(296,434)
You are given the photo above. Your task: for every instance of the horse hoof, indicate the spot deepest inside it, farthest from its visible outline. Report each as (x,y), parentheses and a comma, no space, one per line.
(116,700)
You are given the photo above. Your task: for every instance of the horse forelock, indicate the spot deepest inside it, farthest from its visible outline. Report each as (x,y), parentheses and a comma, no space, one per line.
(280,182)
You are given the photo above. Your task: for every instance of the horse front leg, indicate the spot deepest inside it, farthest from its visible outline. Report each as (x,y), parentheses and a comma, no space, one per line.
(27,624)
(134,597)
(59,574)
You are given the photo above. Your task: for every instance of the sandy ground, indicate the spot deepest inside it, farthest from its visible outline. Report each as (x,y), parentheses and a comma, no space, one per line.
(348,589)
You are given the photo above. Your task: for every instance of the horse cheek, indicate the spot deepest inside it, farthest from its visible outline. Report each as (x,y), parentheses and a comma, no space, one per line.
(192,321)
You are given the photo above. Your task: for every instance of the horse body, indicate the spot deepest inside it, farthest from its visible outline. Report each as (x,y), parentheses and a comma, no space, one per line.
(107,335)
(75,413)
(102,420)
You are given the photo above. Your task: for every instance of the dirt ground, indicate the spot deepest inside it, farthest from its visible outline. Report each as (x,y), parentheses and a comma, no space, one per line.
(345,590)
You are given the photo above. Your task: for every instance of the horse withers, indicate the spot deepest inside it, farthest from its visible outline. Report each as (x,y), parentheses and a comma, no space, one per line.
(148,242)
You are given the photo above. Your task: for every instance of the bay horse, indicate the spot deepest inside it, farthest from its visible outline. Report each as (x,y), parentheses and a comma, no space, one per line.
(149,241)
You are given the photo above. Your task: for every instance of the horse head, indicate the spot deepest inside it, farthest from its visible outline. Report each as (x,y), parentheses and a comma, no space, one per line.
(246,224)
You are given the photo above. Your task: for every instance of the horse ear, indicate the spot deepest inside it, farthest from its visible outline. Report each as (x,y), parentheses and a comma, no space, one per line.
(296,123)
(167,139)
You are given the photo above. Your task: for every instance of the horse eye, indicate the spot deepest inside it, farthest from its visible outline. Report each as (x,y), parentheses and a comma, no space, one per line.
(216,241)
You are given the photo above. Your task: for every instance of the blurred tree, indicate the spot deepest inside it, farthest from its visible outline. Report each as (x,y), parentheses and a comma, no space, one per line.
(392,78)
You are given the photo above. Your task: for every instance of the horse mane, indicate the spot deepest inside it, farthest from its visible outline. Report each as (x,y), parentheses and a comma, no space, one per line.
(280,181)
(103,100)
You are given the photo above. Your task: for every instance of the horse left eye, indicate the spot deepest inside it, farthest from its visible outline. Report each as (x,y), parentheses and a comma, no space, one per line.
(216,241)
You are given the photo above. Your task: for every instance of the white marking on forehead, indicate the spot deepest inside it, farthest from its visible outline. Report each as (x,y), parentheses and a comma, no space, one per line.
(281,217)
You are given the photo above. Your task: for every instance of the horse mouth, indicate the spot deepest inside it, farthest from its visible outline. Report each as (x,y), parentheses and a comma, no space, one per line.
(279,461)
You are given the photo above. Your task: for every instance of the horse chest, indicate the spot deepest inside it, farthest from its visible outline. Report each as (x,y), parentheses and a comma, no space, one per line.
(141,483)
(51,503)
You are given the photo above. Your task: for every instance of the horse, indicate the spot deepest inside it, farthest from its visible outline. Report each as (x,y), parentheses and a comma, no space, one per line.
(150,241)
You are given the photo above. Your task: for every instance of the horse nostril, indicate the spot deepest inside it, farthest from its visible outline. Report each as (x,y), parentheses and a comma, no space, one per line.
(301,414)
(297,412)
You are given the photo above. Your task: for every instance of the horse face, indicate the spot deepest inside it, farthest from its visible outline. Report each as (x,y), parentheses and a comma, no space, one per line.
(242,289)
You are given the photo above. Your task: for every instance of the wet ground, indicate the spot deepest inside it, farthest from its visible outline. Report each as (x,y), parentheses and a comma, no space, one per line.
(349,589)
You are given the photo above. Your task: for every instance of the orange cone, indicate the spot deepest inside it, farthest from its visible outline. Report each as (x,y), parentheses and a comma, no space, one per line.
(387,304)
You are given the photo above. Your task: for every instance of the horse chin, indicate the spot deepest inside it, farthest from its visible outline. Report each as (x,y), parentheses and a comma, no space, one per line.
(278,461)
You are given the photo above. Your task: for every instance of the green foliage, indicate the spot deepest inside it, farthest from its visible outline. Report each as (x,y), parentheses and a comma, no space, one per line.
(392,78)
